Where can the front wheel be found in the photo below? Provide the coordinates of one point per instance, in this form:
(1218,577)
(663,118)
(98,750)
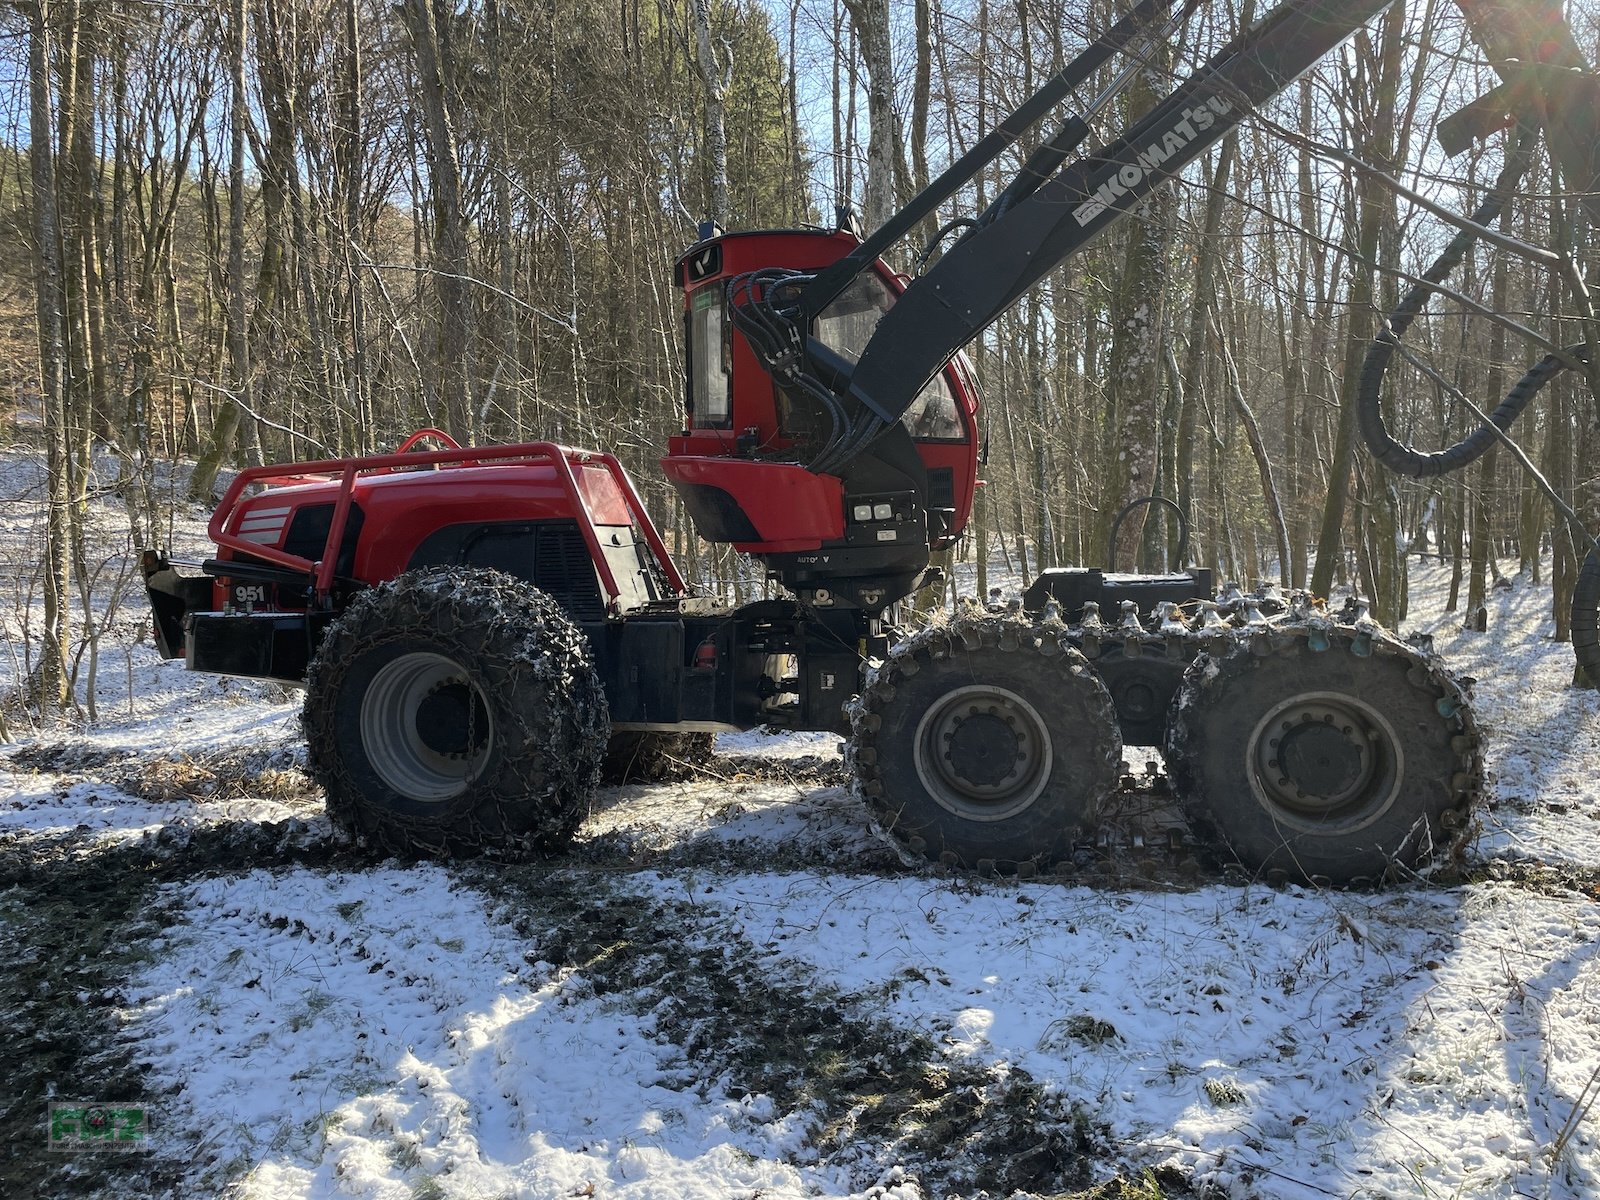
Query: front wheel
(1338,754)
(988,743)
(452,712)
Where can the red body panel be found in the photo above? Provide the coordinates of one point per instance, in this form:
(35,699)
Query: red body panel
(405,497)
(404,508)
(792,509)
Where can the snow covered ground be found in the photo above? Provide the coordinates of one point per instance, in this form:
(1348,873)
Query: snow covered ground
(731,989)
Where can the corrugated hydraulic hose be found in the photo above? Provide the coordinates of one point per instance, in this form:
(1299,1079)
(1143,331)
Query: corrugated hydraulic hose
(1417,464)
(1402,459)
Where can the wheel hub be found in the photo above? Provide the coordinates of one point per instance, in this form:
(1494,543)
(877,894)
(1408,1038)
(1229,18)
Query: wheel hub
(1325,757)
(1323,760)
(983,752)
(451,720)
(984,748)
(1141,689)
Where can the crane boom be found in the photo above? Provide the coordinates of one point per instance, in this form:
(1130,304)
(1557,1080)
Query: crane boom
(1044,221)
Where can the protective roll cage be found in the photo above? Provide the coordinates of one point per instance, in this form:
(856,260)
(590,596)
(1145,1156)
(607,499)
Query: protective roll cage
(319,574)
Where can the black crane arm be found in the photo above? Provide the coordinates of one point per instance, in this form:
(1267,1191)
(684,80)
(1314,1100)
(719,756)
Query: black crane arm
(831,282)
(1050,212)
(988,271)
(1042,219)
(1547,85)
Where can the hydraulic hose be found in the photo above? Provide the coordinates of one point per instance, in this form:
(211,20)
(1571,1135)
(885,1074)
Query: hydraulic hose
(771,331)
(1403,459)
(1492,427)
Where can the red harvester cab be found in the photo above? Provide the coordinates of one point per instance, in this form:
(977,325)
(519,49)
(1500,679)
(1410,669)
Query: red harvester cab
(739,464)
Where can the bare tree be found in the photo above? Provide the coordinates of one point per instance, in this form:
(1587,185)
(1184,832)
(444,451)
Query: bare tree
(451,270)
(714,76)
(237,405)
(49,685)
(870,18)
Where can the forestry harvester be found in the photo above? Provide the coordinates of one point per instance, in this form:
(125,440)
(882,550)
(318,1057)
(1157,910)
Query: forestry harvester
(481,630)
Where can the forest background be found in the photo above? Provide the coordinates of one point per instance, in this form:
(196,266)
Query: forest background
(259,230)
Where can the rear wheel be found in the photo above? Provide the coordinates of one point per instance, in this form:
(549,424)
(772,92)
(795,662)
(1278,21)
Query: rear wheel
(988,744)
(1357,762)
(1141,686)
(452,712)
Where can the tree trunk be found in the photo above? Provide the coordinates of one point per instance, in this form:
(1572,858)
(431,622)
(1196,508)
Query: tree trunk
(225,429)
(871,21)
(1372,202)
(1135,362)
(449,227)
(714,79)
(921,89)
(49,681)
(1485,497)
(1258,448)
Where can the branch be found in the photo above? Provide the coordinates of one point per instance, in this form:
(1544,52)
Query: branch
(429,399)
(1441,289)
(565,323)
(1525,250)
(251,413)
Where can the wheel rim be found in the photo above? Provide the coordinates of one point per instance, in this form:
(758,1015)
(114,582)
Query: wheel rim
(983,753)
(425,727)
(1325,759)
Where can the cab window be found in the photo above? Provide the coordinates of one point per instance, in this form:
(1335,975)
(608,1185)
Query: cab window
(709,376)
(846,326)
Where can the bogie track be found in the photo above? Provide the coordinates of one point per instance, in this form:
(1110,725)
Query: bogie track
(1299,745)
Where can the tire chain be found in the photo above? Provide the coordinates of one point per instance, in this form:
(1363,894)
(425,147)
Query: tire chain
(1128,830)
(969,632)
(551,647)
(1351,633)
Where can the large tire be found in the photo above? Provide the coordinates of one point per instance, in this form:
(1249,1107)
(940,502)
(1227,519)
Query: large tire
(1356,762)
(646,756)
(452,712)
(989,744)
